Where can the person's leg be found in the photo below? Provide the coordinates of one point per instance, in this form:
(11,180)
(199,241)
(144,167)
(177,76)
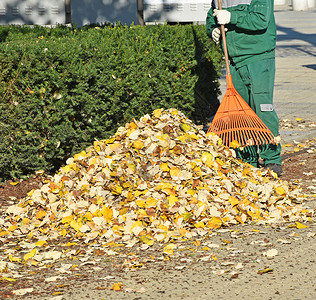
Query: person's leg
(262,75)
(242,84)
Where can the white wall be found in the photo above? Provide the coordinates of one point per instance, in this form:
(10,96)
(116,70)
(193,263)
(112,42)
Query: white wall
(99,11)
(46,12)
(176,10)
(41,12)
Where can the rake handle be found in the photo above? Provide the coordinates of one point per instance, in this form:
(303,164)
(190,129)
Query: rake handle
(224,42)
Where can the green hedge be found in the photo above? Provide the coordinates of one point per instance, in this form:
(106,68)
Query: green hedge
(63,88)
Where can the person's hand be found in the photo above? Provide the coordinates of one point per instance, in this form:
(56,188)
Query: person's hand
(216,34)
(223,16)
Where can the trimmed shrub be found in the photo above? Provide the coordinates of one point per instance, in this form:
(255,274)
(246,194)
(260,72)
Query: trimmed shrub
(63,88)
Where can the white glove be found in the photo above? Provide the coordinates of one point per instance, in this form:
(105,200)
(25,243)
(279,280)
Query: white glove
(223,16)
(216,34)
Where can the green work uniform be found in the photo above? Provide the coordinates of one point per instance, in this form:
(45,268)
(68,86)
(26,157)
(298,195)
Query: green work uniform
(251,40)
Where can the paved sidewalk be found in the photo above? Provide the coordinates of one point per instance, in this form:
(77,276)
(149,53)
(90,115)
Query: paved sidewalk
(295,83)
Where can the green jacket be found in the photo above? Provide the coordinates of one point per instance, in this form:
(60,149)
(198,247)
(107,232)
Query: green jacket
(251,34)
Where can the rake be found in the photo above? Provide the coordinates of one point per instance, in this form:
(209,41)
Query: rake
(235,122)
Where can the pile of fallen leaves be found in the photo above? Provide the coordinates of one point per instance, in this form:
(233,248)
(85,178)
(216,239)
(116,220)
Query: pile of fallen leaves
(157,179)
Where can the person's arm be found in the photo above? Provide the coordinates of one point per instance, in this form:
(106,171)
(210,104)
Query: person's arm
(210,22)
(256,17)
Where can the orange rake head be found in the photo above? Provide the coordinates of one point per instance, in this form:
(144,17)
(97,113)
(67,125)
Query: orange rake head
(236,121)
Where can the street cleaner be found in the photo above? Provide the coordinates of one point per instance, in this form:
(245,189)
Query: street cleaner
(251,39)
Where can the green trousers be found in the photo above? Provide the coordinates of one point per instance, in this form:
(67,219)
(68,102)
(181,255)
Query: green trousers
(255,83)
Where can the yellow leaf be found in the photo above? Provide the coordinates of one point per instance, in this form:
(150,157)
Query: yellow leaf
(40,243)
(30,254)
(132,167)
(175,172)
(138,144)
(116,189)
(88,215)
(246,171)
(117,286)
(185,127)
(187,216)
(207,158)
(157,113)
(164,185)
(137,224)
(227,242)
(12,227)
(70,244)
(151,202)
(146,240)
(100,200)
(140,203)
(111,140)
(168,249)
(183,231)
(67,168)
(220,162)
(197,243)
(97,145)
(30,193)
(14,183)
(132,125)
(199,225)
(267,270)
(67,219)
(85,188)
(164,167)
(233,201)
(26,221)
(80,155)
(191,192)
(8,279)
(40,214)
(172,200)
(215,222)
(234,144)
(63,232)
(300,225)
(107,213)
(183,138)
(93,161)
(194,136)
(280,190)
(174,112)
(14,259)
(299,119)
(170,246)
(75,225)
(163,227)
(244,202)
